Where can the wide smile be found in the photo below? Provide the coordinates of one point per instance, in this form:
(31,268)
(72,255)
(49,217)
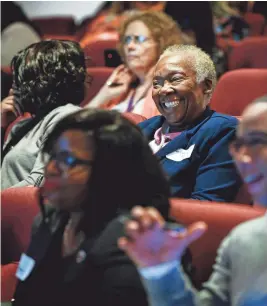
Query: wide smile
(169,104)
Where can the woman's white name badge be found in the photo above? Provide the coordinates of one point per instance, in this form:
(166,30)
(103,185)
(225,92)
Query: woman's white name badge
(26,265)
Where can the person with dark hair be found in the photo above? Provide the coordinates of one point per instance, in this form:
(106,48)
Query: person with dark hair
(228,21)
(17,31)
(48,83)
(98,166)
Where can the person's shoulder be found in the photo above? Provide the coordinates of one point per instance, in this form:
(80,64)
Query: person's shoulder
(217,126)
(222,120)
(60,112)
(151,121)
(249,229)
(105,244)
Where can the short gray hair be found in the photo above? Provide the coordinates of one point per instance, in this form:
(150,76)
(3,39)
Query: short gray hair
(202,63)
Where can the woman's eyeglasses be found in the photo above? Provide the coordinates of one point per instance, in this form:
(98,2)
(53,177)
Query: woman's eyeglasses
(138,39)
(65,160)
(250,140)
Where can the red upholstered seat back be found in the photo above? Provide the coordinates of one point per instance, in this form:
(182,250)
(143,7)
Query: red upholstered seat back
(256,23)
(220,217)
(19,206)
(58,25)
(98,43)
(135,118)
(9,128)
(99,77)
(249,53)
(236,89)
(8,281)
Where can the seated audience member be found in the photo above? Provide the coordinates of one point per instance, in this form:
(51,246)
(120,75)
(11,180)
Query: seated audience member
(195,17)
(17,31)
(48,83)
(142,38)
(191,140)
(93,159)
(108,19)
(228,21)
(240,272)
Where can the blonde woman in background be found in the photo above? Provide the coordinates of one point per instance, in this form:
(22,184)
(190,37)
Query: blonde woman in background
(142,38)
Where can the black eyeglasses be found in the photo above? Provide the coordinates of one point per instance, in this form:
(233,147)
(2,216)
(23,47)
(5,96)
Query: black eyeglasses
(65,159)
(138,39)
(251,139)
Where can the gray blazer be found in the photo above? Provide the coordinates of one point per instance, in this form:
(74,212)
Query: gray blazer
(22,165)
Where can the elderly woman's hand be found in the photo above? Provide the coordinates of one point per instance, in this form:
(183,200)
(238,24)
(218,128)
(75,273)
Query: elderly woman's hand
(149,244)
(117,84)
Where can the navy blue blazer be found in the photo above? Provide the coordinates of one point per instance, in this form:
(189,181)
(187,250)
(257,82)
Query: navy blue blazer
(197,161)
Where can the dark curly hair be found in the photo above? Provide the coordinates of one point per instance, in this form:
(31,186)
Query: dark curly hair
(46,75)
(49,74)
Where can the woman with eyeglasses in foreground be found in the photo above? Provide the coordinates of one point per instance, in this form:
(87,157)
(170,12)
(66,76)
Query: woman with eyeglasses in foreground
(98,166)
(142,38)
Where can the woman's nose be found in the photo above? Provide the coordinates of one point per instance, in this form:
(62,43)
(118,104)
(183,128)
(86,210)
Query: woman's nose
(131,45)
(166,89)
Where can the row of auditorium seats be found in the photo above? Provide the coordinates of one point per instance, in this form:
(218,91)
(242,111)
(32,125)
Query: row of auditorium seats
(20,205)
(235,89)
(248,53)
(65,25)
(252,49)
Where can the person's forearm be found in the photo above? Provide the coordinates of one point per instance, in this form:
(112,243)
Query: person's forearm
(97,101)
(171,289)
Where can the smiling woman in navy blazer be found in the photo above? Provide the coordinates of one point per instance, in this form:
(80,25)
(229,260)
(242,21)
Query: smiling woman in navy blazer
(191,140)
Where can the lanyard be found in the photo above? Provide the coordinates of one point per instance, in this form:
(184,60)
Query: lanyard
(130,106)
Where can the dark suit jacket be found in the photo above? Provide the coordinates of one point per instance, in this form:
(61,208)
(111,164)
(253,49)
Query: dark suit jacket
(208,173)
(105,277)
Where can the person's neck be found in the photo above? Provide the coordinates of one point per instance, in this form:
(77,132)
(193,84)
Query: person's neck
(145,76)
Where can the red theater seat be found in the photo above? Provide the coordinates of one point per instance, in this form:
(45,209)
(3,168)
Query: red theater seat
(220,218)
(249,53)
(8,281)
(59,37)
(60,25)
(19,206)
(237,88)
(9,128)
(94,47)
(6,69)
(99,77)
(256,23)
(135,118)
